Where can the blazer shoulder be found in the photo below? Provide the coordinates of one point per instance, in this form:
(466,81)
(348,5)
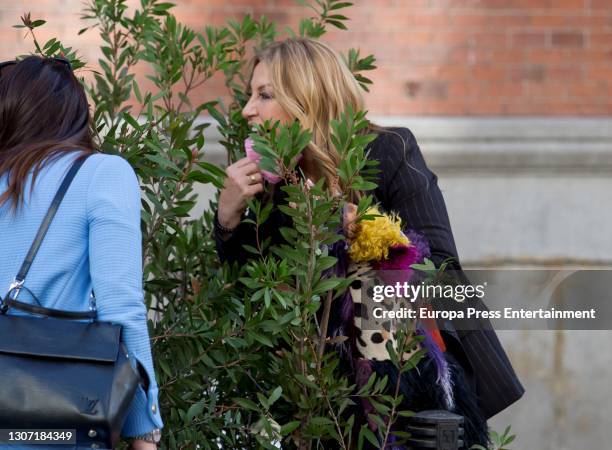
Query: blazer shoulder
(392,146)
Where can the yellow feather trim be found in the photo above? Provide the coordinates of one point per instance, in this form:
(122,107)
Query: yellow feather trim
(374,237)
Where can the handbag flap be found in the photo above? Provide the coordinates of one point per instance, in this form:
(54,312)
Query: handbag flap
(56,338)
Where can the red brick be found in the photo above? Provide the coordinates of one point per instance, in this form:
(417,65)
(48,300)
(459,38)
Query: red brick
(535,73)
(484,21)
(564,55)
(599,72)
(438,38)
(497,89)
(430,21)
(416,71)
(593,21)
(603,40)
(461,90)
(501,56)
(589,90)
(429,89)
(455,72)
(546,21)
(600,4)
(412,38)
(512,91)
(529,39)
(546,91)
(567,4)
(467,56)
(573,74)
(490,40)
(487,73)
(567,39)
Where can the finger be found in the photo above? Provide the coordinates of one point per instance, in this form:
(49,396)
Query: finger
(350,215)
(242,161)
(238,174)
(249,169)
(350,210)
(254,178)
(350,231)
(254,189)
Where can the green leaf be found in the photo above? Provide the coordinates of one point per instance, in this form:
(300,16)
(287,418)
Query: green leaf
(289,427)
(305,381)
(326,285)
(133,122)
(321,421)
(340,5)
(263,339)
(367,433)
(380,408)
(275,395)
(506,431)
(510,439)
(165,367)
(213,169)
(495,437)
(246,403)
(194,410)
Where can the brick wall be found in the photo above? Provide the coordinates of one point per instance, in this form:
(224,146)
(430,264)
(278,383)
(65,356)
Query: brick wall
(435,57)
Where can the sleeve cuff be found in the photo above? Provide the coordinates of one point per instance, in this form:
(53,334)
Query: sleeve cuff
(144,415)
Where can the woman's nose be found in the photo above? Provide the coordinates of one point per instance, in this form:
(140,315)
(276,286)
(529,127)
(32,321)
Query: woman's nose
(248,112)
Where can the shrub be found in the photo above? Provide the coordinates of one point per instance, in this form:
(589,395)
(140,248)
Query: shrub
(239,351)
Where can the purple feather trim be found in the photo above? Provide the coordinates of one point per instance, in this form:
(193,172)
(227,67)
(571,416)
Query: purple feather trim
(435,353)
(402,257)
(397,267)
(420,243)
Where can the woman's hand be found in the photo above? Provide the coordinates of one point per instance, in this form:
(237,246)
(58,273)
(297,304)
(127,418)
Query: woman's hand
(350,221)
(139,444)
(243,182)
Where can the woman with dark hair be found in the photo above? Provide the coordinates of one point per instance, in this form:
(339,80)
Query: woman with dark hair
(94,241)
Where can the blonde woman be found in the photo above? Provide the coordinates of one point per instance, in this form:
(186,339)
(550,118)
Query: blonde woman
(305,80)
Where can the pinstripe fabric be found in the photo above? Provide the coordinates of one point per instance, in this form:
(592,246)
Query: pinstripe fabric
(408,187)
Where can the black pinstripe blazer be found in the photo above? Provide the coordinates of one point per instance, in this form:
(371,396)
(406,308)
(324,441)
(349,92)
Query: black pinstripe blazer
(408,187)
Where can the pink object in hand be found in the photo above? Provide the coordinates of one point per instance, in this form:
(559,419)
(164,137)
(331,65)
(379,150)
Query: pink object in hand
(256,157)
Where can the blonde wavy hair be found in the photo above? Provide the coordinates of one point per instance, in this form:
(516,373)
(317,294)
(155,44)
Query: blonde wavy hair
(314,86)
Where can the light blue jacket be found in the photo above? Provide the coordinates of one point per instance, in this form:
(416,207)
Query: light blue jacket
(94,242)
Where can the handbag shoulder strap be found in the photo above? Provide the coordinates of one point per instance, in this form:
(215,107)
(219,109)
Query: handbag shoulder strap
(44,226)
(27,262)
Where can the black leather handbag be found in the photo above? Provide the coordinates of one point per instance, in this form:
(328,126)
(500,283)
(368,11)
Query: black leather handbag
(62,369)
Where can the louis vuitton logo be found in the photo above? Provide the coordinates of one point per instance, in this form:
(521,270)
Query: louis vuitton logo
(89,405)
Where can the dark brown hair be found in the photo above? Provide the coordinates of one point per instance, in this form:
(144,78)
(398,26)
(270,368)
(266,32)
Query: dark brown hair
(43,114)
